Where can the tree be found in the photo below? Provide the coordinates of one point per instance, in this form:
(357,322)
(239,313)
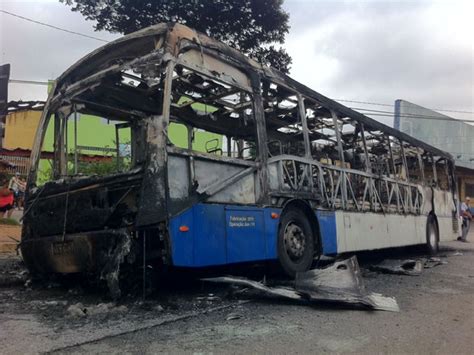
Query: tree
(251,26)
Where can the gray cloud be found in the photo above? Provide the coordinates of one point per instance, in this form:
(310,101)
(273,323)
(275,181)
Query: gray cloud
(39,53)
(379,51)
(362,50)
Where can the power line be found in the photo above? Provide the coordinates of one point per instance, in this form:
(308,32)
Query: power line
(421,117)
(409,115)
(52,26)
(430,137)
(33,82)
(103,40)
(390,105)
(17,81)
(370,112)
(364,102)
(405,114)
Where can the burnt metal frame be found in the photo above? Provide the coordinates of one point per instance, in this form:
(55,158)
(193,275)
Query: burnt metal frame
(301,177)
(338,192)
(257,74)
(258,166)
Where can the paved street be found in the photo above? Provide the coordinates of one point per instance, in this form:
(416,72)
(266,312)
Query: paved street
(437,316)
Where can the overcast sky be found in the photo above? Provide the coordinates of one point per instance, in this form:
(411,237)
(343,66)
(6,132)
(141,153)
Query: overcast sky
(376,51)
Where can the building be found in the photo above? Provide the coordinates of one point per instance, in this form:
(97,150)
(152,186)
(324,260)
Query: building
(93,138)
(453,136)
(18,129)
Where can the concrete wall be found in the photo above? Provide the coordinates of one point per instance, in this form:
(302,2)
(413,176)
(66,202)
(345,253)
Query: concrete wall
(441,131)
(20,129)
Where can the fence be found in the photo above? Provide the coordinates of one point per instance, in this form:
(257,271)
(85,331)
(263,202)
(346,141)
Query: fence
(12,164)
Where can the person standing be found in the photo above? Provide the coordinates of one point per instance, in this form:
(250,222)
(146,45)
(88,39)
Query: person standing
(6,199)
(466,219)
(20,199)
(17,186)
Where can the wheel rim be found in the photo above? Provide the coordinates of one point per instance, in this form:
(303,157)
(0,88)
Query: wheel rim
(295,241)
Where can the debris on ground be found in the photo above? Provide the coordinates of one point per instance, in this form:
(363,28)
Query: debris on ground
(41,304)
(79,310)
(76,310)
(13,279)
(432,262)
(340,283)
(233,316)
(12,272)
(210,298)
(158,308)
(458,253)
(407,267)
(78,290)
(399,267)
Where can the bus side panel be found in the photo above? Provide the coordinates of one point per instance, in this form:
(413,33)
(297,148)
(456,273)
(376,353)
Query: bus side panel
(369,231)
(271,232)
(446,230)
(328,231)
(182,243)
(209,235)
(245,234)
(444,208)
(223,234)
(204,243)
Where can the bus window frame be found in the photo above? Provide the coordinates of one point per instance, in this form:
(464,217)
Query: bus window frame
(301,109)
(190,128)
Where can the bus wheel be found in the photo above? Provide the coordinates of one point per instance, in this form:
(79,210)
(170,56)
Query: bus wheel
(432,235)
(295,242)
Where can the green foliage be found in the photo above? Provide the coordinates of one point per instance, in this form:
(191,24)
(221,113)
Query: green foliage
(45,172)
(9,222)
(101,168)
(251,26)
(88,168)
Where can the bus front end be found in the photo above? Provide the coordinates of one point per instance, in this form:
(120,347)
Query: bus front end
(96,183)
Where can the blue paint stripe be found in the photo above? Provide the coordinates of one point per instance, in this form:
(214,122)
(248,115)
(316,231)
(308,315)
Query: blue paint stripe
(328,231)
(223,234)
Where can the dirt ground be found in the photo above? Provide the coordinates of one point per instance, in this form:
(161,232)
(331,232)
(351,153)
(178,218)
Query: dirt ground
(187,315)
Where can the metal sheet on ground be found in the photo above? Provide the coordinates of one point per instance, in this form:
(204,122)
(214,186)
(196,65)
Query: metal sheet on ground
(399,267)
(340,283)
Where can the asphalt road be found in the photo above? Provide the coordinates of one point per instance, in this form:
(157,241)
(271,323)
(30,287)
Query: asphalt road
(437,316)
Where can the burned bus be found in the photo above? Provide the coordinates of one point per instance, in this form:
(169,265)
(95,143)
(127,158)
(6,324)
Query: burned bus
(287,174)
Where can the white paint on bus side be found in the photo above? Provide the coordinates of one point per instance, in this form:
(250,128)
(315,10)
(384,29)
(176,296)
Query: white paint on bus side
(446,230)
(368,231)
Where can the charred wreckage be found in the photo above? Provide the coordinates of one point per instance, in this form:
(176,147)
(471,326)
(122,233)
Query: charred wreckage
(273,143)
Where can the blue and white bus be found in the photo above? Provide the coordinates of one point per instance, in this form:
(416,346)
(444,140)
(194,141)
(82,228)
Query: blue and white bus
(229,161)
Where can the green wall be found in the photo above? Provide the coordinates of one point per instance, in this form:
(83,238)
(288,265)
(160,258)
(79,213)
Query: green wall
(91,131)
(94,131)
(98,132)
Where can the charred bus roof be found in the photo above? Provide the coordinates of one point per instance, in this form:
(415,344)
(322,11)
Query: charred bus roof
(175,39)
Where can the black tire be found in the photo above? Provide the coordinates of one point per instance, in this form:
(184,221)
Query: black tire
(295,242)
(432,235)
